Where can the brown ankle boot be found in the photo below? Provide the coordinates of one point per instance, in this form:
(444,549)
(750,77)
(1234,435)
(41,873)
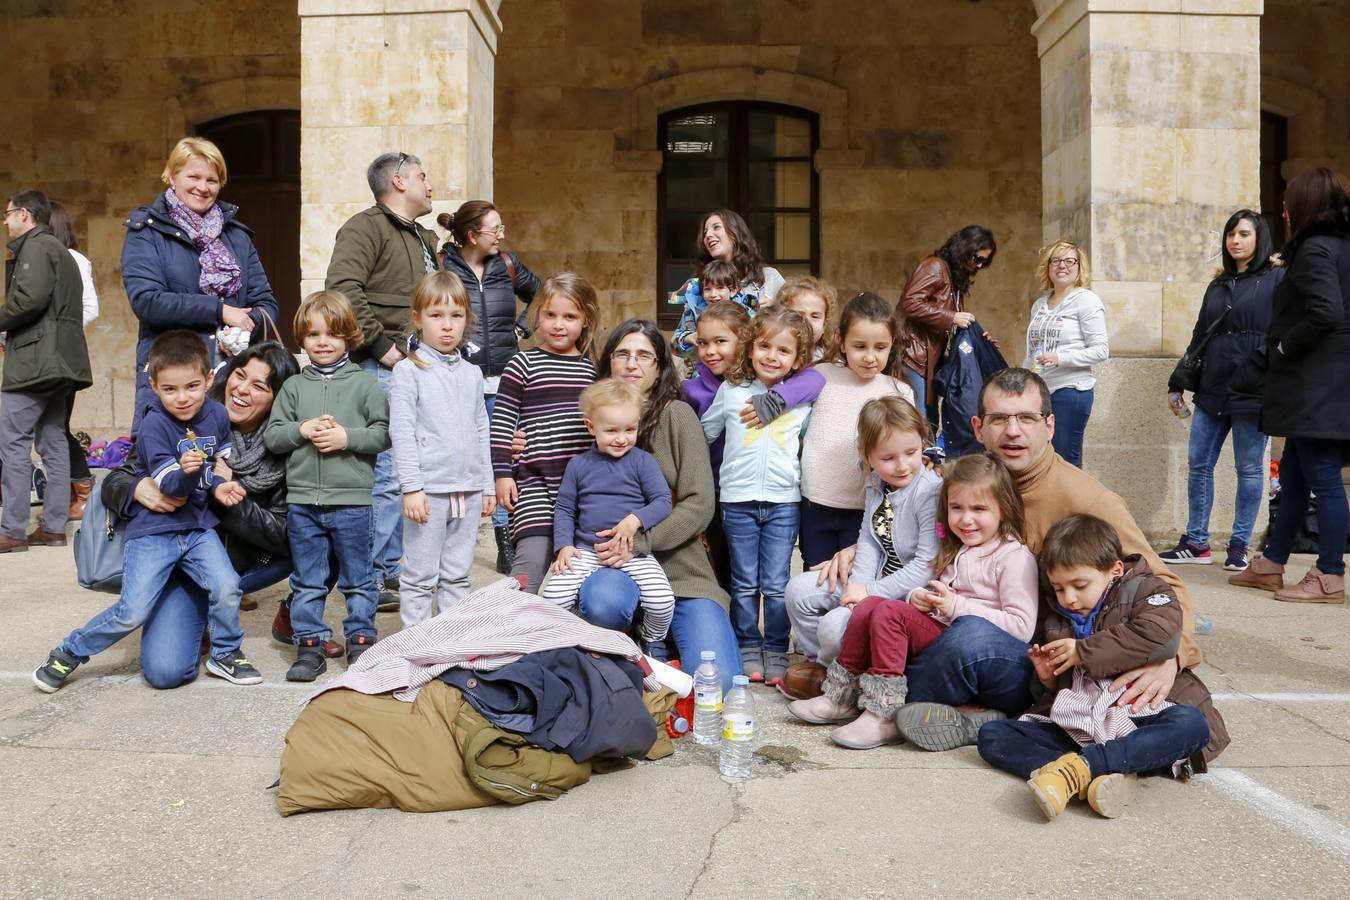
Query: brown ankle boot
(1316,587)
(79,496)
(1262,574)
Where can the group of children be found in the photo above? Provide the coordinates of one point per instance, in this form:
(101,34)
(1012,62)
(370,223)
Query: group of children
(813,444)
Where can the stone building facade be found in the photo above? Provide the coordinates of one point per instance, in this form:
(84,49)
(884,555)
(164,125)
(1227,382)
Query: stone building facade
(1131,126)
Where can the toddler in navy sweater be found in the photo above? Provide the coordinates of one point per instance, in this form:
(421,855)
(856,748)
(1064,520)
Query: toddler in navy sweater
(607,494)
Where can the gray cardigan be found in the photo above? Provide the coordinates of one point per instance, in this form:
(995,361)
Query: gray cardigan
(915,536)
(439,425)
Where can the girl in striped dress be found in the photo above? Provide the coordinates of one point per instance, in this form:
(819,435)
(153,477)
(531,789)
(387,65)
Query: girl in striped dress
(538,395)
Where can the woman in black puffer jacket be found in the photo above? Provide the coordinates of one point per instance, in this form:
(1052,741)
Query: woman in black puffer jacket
(1307,388)
(1246,287)
(494,279)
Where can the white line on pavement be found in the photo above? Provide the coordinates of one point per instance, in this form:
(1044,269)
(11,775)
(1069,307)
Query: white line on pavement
(295,687)
(1281,810)
(1266,697)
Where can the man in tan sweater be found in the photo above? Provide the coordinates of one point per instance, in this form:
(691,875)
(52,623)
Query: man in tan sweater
(1015,423)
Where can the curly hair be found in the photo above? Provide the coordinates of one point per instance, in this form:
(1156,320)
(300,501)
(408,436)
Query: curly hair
(768,323)
(958,249)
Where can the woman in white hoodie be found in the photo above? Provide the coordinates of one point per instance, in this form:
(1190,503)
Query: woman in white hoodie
(1066,338)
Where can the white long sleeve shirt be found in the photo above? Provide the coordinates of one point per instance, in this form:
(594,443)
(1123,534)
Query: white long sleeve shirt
(1075,330)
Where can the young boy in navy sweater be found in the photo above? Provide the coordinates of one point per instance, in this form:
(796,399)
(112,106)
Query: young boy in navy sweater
(609,492)
(181,437)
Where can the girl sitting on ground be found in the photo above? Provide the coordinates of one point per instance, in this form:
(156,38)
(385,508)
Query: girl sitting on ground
(986,571)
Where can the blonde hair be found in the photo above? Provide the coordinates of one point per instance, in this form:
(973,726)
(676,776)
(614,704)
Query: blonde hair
(1058,248)
(883,415)
(188,149)
(770,321)
(801,285)
(610,392)
(986,471)
(440,289)
(335,310)
(574,287)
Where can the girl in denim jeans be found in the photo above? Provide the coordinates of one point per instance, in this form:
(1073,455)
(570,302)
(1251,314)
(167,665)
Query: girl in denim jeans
(761,485)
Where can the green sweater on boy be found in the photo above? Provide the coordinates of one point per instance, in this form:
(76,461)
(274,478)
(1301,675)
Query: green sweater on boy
(357,402)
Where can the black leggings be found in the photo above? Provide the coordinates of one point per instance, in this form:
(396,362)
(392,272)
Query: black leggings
(79,462)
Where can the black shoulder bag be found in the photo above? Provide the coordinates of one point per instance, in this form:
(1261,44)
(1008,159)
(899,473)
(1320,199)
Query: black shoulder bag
(1186,376)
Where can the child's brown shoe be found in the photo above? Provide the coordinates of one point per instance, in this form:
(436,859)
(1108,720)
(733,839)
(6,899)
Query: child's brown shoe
(1054,784)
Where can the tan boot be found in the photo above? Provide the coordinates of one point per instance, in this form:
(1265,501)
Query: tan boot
(79,496)
(1316,587)
(1108,795)
(1055,784)
(1262,574)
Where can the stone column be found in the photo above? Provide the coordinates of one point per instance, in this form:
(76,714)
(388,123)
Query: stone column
(414,76)
(1150,139)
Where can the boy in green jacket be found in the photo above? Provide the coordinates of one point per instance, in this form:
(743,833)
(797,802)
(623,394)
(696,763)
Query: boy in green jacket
(333,419)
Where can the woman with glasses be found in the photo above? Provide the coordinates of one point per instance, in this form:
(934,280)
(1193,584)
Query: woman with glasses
(932,307)
(494,278)
(1066,338)
(669,429)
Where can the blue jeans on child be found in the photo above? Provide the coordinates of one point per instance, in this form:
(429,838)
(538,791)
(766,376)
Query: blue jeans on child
(1159,740)
(148,564)
(1072,408)
(171,637)
(760,536)
(1208,433)
(1311,465)
(825,530)
(500,517)
(973,661)
(609,599)
(318,534)
(386,500)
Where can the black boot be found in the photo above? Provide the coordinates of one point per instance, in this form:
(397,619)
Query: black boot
(309,661)
(505,556)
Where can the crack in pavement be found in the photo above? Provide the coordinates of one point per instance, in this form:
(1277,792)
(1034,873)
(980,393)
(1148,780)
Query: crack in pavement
(737,792)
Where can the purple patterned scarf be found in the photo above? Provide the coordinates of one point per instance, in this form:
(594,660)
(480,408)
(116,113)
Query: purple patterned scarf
(220,270)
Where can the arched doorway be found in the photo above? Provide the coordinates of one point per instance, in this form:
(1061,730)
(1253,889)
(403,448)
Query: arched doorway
(262,151)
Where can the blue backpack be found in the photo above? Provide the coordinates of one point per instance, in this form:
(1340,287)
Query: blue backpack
(99,544)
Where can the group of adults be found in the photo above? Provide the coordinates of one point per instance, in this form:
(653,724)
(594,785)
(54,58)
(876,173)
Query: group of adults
(188,262)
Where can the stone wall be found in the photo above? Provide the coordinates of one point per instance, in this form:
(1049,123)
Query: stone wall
(929,113)
(96,93)
(1305,76)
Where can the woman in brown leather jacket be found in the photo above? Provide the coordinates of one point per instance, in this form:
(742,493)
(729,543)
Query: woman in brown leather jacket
(932,306)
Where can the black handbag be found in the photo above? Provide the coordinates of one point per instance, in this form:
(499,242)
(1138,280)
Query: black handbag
(1186,375)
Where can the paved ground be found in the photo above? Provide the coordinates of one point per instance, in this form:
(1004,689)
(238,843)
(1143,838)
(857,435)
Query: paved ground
(113,789)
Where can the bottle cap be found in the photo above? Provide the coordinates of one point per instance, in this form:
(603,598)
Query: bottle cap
(740,680)
(708,655)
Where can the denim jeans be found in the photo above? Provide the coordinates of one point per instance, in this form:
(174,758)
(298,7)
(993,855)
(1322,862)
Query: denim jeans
(825,530)
(1208,433)
(920,385)
(386,500)
(1072,408)
(609,599)
(760,536)
(318,534)
(1311,466)
(171,637)
(148,565)
(1159,740)
(973,661)
(500,517)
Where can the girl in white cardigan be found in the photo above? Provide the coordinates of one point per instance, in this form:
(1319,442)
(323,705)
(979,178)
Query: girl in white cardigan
(1066,338)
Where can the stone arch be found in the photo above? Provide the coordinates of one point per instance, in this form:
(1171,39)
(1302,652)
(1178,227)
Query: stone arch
(826,100)
(1310,116)
(228,97)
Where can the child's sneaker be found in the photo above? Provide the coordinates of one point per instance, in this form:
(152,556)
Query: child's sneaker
(775,667)
(752,663)
(1187,554)
(357,646)
(51,675)
(1237,558)
(309,661)
(234,668)
(1055,784)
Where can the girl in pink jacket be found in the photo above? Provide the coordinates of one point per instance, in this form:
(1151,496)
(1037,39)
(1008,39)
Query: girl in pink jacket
(986,571)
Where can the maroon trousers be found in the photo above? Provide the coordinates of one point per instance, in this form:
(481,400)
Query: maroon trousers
(882,634)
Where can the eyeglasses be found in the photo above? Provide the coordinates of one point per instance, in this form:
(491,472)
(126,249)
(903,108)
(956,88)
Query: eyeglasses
(1064,262)
(623,357)
(499,231)
(980,262)
(9,212)
(999,421)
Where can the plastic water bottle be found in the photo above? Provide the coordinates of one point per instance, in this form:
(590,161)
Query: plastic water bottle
(707,700)
(738,731)
(1203,625)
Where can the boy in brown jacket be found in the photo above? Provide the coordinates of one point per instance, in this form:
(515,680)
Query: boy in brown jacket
(1102,615)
